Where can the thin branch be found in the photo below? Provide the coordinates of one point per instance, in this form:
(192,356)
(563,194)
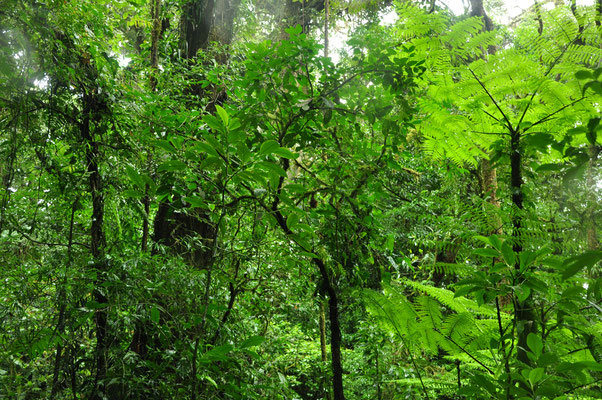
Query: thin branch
(492,99)
(546,118)
(26,236)
(466,351)
(492,133)
(492,116)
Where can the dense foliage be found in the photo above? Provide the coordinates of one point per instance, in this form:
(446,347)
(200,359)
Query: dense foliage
(198,201)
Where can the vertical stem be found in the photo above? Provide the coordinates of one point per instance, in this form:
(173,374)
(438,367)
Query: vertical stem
(323,351)
(525,319)
(379,394)
(98,240)
(505,355)
(62,302)
(156,32)
(326,21)
(335,332)
(592,233)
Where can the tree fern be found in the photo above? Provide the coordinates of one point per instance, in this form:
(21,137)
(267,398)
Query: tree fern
(446,298)
(466,93)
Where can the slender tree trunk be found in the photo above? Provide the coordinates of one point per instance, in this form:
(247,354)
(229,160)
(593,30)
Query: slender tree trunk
(91,112)
(525,319)
(323,351)
(335,331)
(326,22)
(155,34)
(592,232)
(62,304)
(195,25)
(8,173)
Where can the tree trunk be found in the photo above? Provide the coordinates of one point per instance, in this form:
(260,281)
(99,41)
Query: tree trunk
(91,112)
(195,25)
(335,331)
(592,232)
(525,319)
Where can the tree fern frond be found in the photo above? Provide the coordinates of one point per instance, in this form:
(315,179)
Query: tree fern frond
(446,298)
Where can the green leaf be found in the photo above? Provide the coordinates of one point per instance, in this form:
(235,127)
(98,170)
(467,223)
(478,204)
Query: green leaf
(549,167)
(155,314)
(575,264)
(236,135)
(535,344)
(134,176)
(484,382)
(218,353)
(508,253)
(272,168)
(285,153)
(132,193)
(594,85)
(214,123)
(294,30)
(584,74)
(292,221)
(210,379)
(268,147)
(526,258)
(166,145)
(196,202)
(327,115)
(222,114)
(252,341)
(172,165)
(243,152)
(522,292)
(536,375)
(205,148)
(495,242)
(486,252)
(295,187)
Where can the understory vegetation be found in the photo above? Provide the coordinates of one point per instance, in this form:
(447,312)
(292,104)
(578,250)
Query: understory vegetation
(261,199)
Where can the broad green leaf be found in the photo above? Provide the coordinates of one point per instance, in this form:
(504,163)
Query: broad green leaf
(134,176)
(292,220)
(236,135)
(536,375)
(172,165)
(206,148)
(575,264)
(222,114)
(219,353)
(295,187)
(508,253)
(243,152)
(584,74)
(268,147)
(210,379)
(196,202)
(214,123)
(252,341)
(272,168)
(495,242)
(166,145)
(535,344)
(155,315)
(285,153)
(486,252)
(132,193)
(212,163)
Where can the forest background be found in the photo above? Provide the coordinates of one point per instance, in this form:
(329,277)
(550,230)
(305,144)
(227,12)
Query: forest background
(196,202)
